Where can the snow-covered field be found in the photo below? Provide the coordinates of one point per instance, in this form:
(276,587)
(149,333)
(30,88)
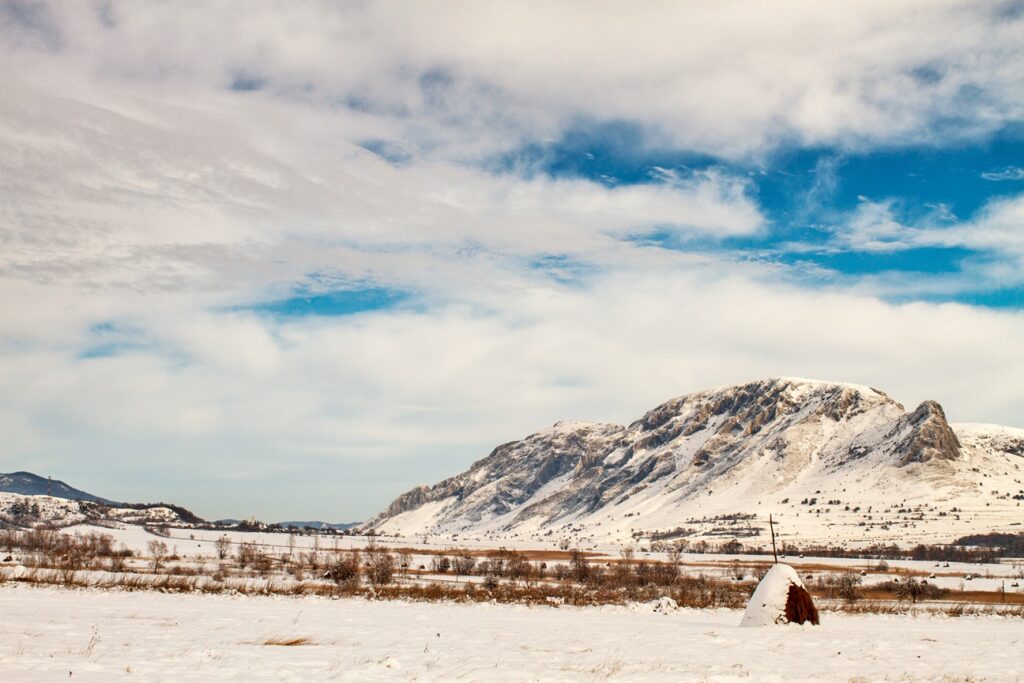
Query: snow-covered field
(84,635)
(194,544)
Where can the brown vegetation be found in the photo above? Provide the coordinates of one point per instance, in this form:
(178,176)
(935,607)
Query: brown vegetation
(289,642)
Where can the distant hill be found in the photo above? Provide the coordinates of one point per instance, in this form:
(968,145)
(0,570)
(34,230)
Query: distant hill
(340,526)
(29,484)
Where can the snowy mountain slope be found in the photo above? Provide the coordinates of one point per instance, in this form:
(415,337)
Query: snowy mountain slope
(29,484)
(26,499)
(833,462)
(26,511)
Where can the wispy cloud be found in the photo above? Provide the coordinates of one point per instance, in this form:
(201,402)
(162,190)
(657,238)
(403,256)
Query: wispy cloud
(1009,173)
(362,243)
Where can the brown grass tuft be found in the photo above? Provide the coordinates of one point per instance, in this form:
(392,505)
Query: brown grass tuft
(289,642)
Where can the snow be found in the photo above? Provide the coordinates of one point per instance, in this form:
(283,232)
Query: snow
(56,510)
(803,385)
(88,635)
(973,429)
(795,456)
(767,605)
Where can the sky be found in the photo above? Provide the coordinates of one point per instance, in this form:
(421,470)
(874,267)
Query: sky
(288,260)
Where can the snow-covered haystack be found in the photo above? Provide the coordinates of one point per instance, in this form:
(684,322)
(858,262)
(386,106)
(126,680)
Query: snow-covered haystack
(780,598)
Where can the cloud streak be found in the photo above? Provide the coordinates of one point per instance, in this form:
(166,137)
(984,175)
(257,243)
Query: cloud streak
(282,273)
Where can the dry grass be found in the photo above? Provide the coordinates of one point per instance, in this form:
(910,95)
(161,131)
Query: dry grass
(531,555)
(974,597)
(688,591)
(289,642)
(958,609)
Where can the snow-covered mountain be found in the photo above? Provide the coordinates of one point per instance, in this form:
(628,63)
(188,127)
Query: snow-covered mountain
(26,500)
(29,484)
(21,511)
(832,462)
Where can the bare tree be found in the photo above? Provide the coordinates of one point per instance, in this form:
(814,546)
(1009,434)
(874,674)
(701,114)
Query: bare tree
(313,556)
(158,551)
(223,546)
(381,565)
(440,564)
(579,566)
(674,554)
(405,561)
(463,564)
(247,554)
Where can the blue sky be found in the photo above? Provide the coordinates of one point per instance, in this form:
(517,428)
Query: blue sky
(353,247)
(806,193)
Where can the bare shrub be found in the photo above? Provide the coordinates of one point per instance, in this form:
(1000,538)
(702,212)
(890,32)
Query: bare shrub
(405,561)
(674,553)
(580,569)
(345,569)
(463,564)
(912,589)
(380,565)
(247,554)
(845,586)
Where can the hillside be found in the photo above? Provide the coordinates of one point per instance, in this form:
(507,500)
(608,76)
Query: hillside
(26,499)
(29,484)
(831,462)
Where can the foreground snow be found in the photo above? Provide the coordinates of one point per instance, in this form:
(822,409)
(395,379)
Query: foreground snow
(101,636)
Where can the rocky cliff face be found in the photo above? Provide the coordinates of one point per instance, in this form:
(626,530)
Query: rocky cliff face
(930,437)
(735,446)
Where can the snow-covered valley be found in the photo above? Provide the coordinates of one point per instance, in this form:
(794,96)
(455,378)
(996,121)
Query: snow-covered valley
(86,635)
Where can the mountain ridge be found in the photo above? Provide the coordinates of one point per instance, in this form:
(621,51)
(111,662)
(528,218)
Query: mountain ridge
(712,452)
(31,484)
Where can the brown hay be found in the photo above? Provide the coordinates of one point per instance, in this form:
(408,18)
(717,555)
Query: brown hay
(289,642)
(799,606)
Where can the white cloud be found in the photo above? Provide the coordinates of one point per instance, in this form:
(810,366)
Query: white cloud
(997,229)
(145,204)
(464,77)
(1008,173)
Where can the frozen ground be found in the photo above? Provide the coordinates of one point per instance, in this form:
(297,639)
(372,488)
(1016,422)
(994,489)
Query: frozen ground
(49,633)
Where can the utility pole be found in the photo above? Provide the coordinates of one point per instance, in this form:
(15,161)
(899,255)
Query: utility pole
(771,525)
(49,481)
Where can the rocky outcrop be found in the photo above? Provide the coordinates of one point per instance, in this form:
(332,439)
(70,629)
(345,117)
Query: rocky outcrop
(930,436)
(759,437)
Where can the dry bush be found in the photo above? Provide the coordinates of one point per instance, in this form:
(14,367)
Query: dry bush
(911,589)
(380,565)
(223,547)
(245,554)
(440,564)
(463,564)
(345,569)
(845,586)
(580,568)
